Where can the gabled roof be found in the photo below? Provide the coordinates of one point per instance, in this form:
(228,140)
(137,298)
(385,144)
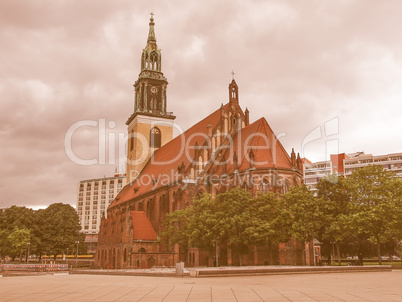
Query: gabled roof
(267,151)
(142,226)
(161,169)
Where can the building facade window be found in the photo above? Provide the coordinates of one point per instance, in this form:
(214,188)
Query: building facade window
(155,138)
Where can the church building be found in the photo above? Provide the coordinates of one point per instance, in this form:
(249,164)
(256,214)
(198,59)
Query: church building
(221,151)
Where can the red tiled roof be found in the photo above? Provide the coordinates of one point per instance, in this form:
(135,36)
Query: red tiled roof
(166,160)
(268,151)
(142,226)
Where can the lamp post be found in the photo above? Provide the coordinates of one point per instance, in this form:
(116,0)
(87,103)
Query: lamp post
(140,240)
(29,246)
(333,251)
(76,255)
(67,257)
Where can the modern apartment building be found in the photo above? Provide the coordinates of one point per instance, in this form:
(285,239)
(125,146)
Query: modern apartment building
(94,196)
(345,164)
(391,162)
(313,172)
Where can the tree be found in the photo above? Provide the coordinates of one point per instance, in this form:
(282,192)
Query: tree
(14,216)
(335,208)
(194,226)
(58,230)
(303,212)
(10,219)
(376,196)
(202,226)
(5,245)
(208,223)
(233,217)
(175,229)
(266,226)
(19,239)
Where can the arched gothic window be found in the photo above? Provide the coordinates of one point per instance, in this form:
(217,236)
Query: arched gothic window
(155,138)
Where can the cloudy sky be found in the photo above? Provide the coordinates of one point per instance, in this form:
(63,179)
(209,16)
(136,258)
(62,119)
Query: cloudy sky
(327,76)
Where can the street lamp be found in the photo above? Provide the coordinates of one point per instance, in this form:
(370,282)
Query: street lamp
(67,258)
(29,245)
(140,240)
(76,255)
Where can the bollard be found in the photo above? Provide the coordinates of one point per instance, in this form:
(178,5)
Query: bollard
(179,268)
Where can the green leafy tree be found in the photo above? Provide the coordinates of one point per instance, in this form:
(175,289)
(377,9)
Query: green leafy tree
(19,239)
(5,245)
(233,218)
(335,208)
(58,230)
(377,205)
(11,218)
(14,216)
(175,229)
(208,223)
(203,229)
(265,226)
(302,212)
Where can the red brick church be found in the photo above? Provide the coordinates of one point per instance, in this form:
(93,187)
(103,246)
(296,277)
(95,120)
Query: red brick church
(221,151)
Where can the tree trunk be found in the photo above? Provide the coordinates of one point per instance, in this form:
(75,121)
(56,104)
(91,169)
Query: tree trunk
(338,253)
(379,251)
(271,261)
(329,257)
(360,255)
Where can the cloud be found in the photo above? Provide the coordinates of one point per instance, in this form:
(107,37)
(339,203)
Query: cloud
(299,64)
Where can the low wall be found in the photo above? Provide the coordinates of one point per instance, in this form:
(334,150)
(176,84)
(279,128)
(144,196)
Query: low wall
(34,267)
(249,271)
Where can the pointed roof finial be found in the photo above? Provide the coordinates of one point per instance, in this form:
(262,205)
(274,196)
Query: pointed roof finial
(233,73)
(151,35)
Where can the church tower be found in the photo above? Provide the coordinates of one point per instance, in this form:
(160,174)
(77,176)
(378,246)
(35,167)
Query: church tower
(150,126)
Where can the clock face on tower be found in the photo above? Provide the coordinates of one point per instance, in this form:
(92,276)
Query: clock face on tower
(154,89)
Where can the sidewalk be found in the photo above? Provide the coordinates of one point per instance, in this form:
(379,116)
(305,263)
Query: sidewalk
(368,286)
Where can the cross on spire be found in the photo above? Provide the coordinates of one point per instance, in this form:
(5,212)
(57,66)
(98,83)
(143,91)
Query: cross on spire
(233,73)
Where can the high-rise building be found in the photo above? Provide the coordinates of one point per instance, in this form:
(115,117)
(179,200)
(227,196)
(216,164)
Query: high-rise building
(94,197)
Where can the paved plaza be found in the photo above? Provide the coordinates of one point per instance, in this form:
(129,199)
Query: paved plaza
(363,286)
